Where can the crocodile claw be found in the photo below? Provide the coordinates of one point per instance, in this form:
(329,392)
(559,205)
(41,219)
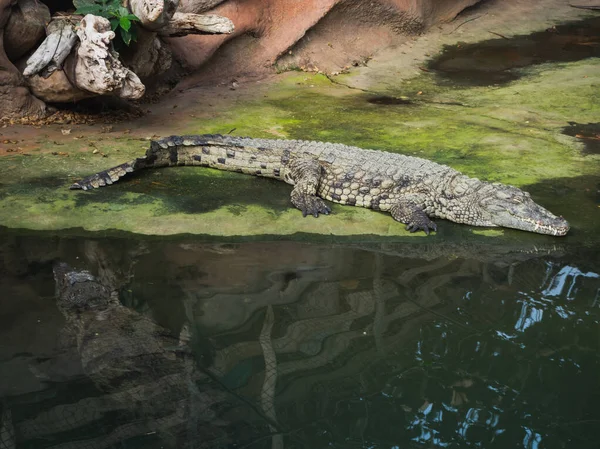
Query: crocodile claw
(426,227)
(311,205)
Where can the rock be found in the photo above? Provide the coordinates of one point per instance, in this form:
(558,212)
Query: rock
(15,98)
(56,88)
(25,28)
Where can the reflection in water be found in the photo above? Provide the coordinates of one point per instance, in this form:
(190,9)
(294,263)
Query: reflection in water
(565,281)
(289,345)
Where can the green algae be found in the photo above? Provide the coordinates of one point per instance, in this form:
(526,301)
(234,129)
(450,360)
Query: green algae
(509,134)
(489,232)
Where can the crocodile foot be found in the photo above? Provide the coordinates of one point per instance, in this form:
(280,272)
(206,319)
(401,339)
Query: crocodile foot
(310,205)
(407,211)
(426,225)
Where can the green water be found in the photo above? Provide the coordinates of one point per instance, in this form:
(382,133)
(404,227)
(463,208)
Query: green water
(374,346)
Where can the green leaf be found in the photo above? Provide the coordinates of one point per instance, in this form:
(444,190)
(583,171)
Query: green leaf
(125,23)
(114,23)
(79,3)
(132,17)
(90,9)
(123,12)
(126,36)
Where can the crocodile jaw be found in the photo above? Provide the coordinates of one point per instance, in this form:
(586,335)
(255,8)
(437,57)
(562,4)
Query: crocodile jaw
(510,207)
(548,224)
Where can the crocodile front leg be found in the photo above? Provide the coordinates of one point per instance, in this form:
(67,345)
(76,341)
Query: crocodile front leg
(407,211)
(306,174)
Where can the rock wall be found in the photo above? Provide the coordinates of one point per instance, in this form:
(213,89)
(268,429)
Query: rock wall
(326,34)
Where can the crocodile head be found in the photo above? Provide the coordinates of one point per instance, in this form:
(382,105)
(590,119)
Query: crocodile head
(510,207)
(78,290)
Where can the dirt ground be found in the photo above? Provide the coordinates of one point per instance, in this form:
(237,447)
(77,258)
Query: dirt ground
(382,72)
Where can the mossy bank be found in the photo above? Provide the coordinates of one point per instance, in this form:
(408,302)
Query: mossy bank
(510,133)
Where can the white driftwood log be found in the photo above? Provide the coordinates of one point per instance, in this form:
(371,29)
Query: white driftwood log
(49,56)
(98,68)
(153,14)
(182,24)
(198,6)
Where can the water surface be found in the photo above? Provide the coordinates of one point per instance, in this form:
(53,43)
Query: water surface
(499,59)
(299,345)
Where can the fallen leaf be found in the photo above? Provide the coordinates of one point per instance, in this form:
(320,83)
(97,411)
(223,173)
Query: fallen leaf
(581,136)
(65,131)
(349,284)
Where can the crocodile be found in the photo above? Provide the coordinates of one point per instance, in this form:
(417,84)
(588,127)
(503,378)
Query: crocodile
(146,377)
(413,190)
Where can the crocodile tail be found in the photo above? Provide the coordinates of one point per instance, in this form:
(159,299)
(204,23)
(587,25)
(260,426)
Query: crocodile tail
(107,177)
(156,156)
(162,153)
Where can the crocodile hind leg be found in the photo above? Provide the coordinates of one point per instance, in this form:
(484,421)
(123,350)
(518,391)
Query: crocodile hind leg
(407,211)
(306,174)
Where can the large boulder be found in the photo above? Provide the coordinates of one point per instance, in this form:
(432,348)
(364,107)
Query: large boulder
(25,28)
(15,98)
(56,88)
